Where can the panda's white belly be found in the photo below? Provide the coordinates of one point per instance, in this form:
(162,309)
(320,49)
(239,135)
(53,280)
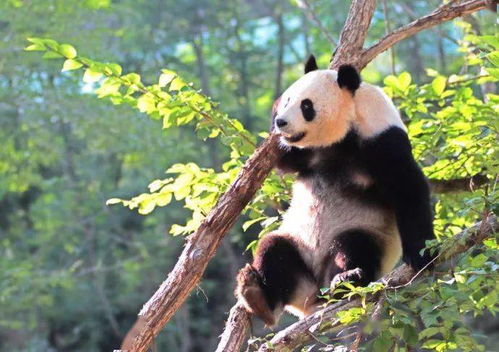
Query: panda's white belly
(318,212)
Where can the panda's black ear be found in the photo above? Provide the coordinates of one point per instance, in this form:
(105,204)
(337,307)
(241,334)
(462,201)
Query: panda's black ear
(348,77)
(311,64)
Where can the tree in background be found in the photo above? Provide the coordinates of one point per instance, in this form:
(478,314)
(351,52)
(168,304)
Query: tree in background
(77,272)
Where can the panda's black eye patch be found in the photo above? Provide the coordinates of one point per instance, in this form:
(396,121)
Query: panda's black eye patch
(307,109)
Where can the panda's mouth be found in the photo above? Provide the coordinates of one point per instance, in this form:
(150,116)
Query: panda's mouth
(295,138)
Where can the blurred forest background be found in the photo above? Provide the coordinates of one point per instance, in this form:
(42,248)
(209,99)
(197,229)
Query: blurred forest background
(74,272)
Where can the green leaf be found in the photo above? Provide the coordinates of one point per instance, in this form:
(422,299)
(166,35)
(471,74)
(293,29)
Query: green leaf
(112,201)
(438,85)
(67,51)
(166,77)
(494,58)
(51,55)
(71,64)
(404,80)
(177,84)
(115,69)
(146,103)
(491,40)
(38,45)
(110,86)
(383,342)
(163,199)
(351,315)
(147,206)
(35,47)
(132,78)
(248,223)
(391,81)
(91,76)
(97,4)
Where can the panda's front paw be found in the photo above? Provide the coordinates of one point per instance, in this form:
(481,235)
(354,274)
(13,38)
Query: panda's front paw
(249,292)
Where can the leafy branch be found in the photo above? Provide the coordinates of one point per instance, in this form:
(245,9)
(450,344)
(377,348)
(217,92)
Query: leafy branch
(171,99)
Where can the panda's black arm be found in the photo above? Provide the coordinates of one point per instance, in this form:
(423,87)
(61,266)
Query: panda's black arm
(294,160)
(389,159)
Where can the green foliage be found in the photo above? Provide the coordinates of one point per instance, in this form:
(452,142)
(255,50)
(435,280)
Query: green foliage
(73,269)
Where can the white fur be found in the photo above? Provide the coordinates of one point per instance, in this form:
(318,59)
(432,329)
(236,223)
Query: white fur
(318,213)
(333,106)
(374,111)
(370,111)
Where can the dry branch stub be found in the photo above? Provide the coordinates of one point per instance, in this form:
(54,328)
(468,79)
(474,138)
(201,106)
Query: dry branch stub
(236,329)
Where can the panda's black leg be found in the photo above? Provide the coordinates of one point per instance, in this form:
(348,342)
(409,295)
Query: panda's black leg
(356,256)
(277,277)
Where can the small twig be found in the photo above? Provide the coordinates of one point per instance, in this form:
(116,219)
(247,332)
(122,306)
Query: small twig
(305,6)
(443,13)
(388,29)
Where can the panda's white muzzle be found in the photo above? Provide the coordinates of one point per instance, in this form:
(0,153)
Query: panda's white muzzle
(286,130)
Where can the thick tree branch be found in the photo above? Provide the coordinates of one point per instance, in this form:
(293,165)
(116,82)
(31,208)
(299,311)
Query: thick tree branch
(236,329)
(354,33)
(443,13)
(301,332)
(201,247)
(458,184)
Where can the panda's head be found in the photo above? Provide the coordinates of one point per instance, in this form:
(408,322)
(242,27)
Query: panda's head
(317,109)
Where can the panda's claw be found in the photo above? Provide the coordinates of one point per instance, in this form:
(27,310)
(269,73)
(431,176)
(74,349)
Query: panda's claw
(249,292)
(354,275)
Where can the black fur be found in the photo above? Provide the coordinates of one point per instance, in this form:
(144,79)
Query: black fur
(389,160)
(360,251)
(281,268)
(294,160)
(307,109)
(311,64)
(348,77)
(399,183)
(335,165)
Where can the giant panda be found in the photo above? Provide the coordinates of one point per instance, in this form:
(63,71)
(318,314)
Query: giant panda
(359,203)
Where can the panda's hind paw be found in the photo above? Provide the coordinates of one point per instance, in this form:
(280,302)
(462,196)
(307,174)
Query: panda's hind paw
(249,292)
(354,275)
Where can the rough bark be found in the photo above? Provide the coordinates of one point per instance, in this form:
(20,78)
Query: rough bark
(354,33)
(201,247)
(458,184)
(236,329)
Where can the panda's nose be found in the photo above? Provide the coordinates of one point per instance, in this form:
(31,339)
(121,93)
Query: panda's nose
(280,123)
